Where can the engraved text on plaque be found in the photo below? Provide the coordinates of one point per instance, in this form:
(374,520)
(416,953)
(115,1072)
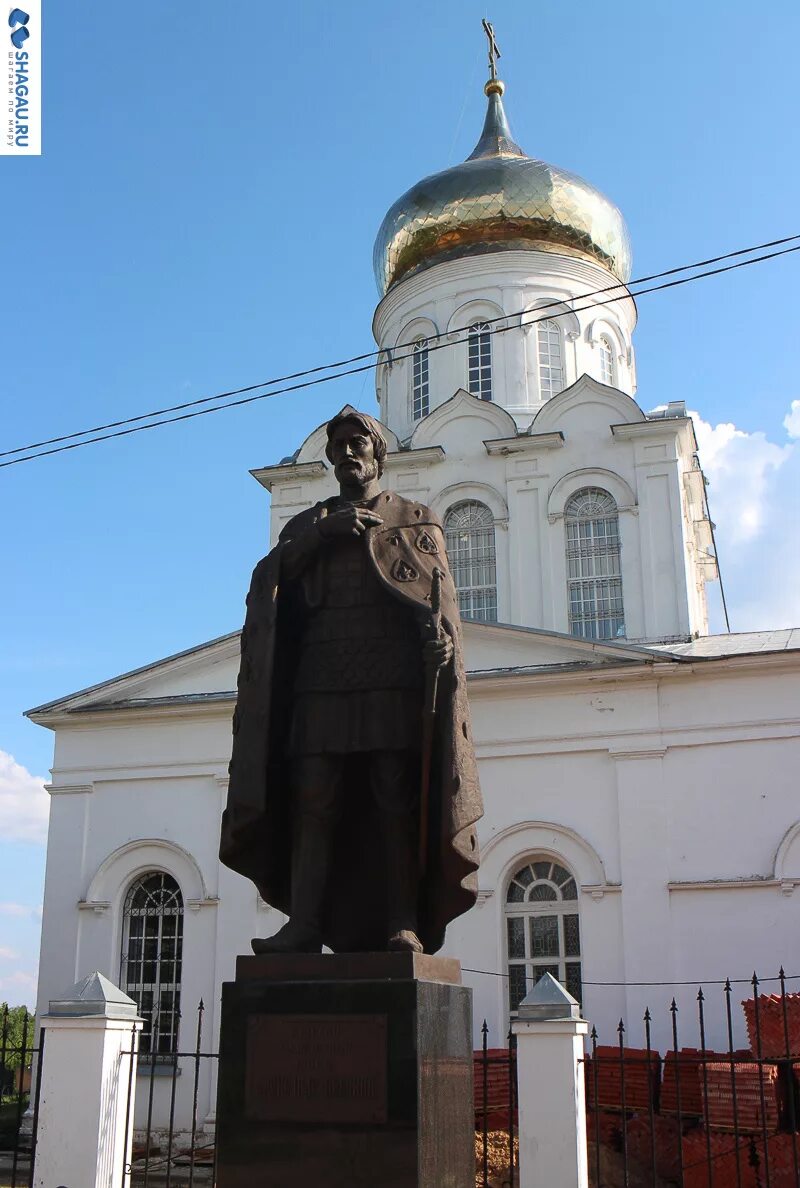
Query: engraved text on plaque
(316,1068)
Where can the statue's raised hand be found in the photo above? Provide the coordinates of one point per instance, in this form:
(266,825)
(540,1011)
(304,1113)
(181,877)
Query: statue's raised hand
(348,521)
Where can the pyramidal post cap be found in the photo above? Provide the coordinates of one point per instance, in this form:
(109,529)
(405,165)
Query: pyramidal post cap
(548,1000)
(94,995)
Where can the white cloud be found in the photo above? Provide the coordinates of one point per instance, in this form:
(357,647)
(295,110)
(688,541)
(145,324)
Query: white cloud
(791,421)
(24,804)
(754,497)
(20,909)
(739,467)
(8,954)
(19,987)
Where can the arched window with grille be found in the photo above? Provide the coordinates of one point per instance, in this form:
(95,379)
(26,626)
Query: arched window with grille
(606,354)
(480,360)
(469,533)
(420,380)
(594,574)
(152,953)
(542,928)
(551,364)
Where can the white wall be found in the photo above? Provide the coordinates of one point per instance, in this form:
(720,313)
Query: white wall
(151,796)
(650,784)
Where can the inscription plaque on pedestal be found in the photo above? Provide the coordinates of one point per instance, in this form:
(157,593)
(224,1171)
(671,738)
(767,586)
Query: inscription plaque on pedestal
(316,1068)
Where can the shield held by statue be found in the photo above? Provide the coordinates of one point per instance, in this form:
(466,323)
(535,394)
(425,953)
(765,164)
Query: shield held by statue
(405,557)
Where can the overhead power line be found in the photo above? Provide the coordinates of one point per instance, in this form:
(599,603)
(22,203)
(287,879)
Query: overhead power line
(342,368)
(381,350)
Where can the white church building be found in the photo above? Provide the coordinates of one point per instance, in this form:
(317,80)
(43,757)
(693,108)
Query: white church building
(639,775)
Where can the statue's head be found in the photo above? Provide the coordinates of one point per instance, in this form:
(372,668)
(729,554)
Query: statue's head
(355,440)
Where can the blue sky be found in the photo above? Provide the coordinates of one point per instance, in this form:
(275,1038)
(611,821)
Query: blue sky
(202,217)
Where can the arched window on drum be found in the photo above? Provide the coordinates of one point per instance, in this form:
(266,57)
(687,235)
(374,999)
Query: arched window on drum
(594,573)
(420,380)
(542,928)
(152,955)
(551,363)
(479,358)
(606,355)
(469,534)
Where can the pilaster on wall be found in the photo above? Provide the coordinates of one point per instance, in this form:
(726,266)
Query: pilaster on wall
(642,796)
(525,501)
(664,554)
(517,394)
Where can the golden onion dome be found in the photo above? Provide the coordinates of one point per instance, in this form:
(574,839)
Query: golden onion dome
(499,199)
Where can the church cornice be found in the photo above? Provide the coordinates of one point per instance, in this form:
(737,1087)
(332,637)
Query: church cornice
(630,432)
(528,443)
(785,886)
(715,657)
(139,709)
(510,680)
(419,456)
(268,476)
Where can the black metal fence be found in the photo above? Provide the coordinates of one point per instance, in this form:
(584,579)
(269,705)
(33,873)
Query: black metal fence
(496,1132)
(675,1112)
(157,1152)
(696,1117)
(20,1081)
(150,1163)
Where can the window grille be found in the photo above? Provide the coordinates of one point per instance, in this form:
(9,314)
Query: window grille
(594,575)
(152,952)
(606,361)
(469,534)
(542,929)
(551,367)
(420,388)
(480,360)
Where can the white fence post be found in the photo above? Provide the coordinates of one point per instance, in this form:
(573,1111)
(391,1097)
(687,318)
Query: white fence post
(552,1100)
(88,1082)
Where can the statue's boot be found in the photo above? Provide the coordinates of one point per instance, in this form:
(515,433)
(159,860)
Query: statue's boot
(311,859)
(400,850)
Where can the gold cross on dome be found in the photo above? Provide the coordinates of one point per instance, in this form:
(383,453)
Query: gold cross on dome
(494,49)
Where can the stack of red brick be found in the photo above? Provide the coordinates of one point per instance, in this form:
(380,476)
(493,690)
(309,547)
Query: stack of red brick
(776,1036)
(641,1079)
(685,1073)
(497,1089)
(708,1082)
(683,1076)
(659,1143)
(743,1165)
(756,1089)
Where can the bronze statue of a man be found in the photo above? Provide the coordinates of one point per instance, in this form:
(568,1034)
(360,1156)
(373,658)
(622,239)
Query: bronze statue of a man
(343,643)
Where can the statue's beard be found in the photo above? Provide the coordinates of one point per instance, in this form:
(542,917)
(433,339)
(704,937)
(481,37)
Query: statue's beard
(358,476)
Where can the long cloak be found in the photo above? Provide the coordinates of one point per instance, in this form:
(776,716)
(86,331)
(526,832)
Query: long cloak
(256,836)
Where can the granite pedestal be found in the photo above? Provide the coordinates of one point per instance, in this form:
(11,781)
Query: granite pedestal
(346,1070)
